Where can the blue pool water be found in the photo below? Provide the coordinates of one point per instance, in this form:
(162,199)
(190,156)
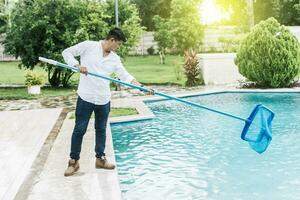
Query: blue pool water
(189,153)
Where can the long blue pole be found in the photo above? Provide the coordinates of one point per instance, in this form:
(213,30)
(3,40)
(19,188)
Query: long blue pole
(75,69)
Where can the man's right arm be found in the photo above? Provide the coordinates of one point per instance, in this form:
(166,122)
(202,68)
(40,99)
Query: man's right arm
(76,50)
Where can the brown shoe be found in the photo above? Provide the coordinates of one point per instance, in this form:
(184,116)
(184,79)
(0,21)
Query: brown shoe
(103,163)
(72,167)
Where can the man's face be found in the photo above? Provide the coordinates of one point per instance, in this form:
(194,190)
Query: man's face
(114,44)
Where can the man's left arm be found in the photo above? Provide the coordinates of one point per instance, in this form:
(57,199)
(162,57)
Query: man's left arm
(135,82)
(126,77)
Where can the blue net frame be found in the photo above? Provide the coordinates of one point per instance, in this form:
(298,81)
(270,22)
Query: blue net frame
(257,130)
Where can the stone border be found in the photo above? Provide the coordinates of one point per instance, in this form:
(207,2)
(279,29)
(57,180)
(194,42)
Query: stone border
(143,111)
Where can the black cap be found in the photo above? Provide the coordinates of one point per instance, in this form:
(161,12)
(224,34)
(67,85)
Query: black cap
(117,34)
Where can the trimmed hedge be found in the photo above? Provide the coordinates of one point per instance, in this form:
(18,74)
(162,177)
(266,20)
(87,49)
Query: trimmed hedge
(269,55)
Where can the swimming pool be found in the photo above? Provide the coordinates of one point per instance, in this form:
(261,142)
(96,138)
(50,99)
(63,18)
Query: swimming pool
(189,153)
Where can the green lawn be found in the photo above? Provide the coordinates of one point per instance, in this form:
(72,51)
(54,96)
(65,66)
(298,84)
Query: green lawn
(145,69)
(11,73)
(148,70)
(21,93)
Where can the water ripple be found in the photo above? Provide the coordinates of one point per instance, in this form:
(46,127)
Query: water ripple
(189,153)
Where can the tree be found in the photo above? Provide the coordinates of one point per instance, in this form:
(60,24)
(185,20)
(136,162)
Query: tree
(129,21)
(163,36)
(289,12)
(148,9)
(5,14)
(250,13)
(46,27)
(260,7)
(185,26)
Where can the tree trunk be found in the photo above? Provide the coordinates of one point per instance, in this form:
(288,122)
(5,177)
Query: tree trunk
(54,79)
(162,56)
(250,11)
(66,77)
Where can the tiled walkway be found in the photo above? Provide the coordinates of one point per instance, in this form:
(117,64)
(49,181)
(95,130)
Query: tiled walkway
(88,184)
(23,133)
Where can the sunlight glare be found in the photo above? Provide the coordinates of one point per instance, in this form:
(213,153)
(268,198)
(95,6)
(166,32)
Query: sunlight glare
(211,13)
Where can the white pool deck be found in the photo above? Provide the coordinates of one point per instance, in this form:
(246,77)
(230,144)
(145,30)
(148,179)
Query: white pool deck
(23,134)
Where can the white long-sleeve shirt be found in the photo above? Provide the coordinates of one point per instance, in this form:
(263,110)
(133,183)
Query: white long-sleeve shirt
(92,89)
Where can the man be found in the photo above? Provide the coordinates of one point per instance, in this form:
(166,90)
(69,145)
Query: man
(94,93)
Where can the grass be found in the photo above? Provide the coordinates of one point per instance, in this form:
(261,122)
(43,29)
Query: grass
(12,74)
(21,93)
(116,112)
(145,69)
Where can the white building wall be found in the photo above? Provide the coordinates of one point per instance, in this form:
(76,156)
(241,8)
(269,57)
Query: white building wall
(219,68)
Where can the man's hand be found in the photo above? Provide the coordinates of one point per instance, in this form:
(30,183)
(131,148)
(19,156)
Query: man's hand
(82,69)
(150,92)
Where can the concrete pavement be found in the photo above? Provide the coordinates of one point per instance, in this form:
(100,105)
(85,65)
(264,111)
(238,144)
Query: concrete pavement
(23,133)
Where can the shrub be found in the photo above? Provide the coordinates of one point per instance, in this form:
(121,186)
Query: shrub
(150,50)
(191,69)
(269,55)
(33,78)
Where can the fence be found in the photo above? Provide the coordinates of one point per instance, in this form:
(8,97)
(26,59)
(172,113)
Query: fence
(211,40)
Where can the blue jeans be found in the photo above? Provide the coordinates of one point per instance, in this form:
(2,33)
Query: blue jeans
(83,114)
